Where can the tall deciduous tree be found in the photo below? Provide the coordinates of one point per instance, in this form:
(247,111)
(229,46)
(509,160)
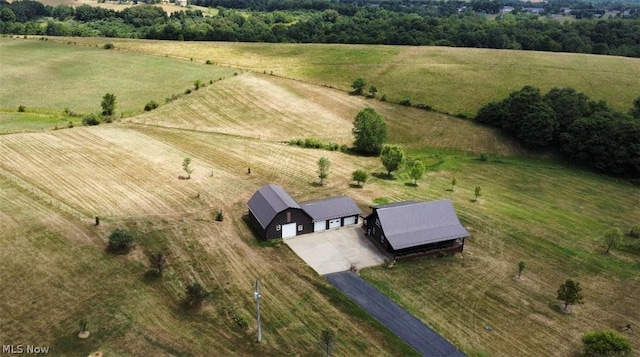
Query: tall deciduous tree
(358,86)
(369,131)
(108,104)
(392,157)
(612,237)
(570,293)
(186,166)
(606,343)
(323,169)
(360,176)
(416,171)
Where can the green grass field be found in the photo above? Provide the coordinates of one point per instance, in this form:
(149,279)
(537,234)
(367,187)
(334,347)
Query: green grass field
(51,76)
(52,184)
(451,80)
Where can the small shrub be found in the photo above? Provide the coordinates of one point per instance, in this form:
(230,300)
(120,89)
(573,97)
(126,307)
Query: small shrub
(383,98)
(635,231)
(209,62)
(423,106)
(120,241)
(150,106)
(90,120)
(219,216)
(344,148)
(70,125)
(235,73)
(211,81)
(334,146)
(21,109)
(108,46)
(188,91)
(107,119)
(406,102)
(483,157)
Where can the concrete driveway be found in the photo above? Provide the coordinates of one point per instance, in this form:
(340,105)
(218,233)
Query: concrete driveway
(335,250)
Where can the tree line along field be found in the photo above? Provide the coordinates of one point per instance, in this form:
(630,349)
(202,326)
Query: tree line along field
(531,209)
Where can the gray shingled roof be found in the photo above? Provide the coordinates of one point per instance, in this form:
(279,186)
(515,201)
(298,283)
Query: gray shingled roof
(408,224)
(330,208)
(268,201)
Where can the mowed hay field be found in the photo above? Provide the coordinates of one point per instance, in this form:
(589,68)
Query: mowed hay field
(451,80)
(52,185)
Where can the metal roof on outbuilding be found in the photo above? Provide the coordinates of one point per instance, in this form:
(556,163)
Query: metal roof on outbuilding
(268,201)
(331,208)
(412,223)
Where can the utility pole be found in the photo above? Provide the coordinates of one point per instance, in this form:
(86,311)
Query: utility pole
(257,296)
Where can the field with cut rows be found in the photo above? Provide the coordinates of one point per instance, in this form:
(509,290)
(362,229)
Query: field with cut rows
(56,272)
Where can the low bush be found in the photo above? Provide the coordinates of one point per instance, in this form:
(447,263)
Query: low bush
(150,106)
(423,106)
(90,120)
(21,109)
(109,46)
(120,241)
(635,231)
(406,102)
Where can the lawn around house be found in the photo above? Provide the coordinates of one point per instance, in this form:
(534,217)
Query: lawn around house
(52,185)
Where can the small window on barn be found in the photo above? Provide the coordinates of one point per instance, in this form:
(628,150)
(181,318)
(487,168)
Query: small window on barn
(277,227)
(299,227)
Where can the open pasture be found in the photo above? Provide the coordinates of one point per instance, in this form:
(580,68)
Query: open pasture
(52,185)
(451,80)
(42,75)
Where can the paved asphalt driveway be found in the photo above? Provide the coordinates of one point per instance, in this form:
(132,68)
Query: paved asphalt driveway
(418,335)
(335,250)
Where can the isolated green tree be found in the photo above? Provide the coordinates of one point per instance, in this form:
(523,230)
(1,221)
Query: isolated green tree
(369,131)
(108,104)
(612,237)
(195,295)
(373,90)
(416,171)
(635,111)
(327,342)
(120,241)
(323,169)
(358,86)
(360,176)
(570,294)
(453,183)
(158,262)
(605,344)
(186,166)
(392,157)
(197,84)
(477,192)
(521,267)
(634,232)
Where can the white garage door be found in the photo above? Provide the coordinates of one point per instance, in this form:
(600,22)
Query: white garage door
(349,220)
(320,226)
(334,223)
(289,230)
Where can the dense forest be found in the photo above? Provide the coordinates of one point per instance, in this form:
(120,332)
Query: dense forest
(479,23)
(575,125)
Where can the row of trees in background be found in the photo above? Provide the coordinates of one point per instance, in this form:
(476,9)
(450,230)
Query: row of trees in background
(569,121)
(368,25)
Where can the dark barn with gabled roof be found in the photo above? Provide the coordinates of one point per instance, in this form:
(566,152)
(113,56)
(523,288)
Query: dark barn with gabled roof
(275,214)
(413,227)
